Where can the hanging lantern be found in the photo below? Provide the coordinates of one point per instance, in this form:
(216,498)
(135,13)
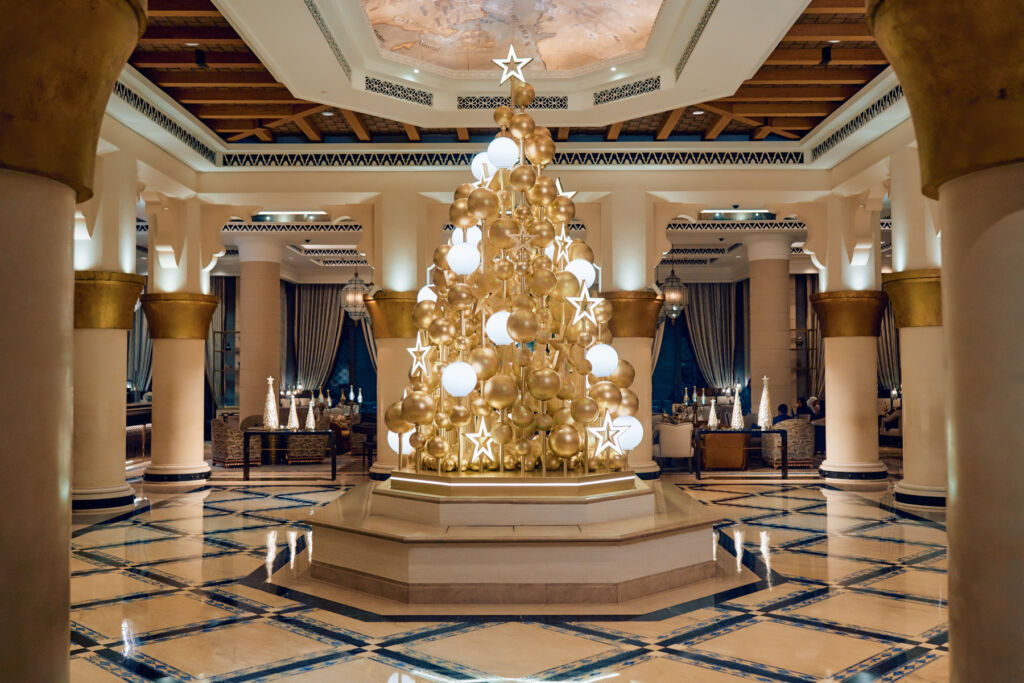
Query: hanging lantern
(352,297)
(676,296)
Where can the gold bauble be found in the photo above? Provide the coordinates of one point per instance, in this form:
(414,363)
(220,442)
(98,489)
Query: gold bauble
(605,335)
(394,420)
(424,313)
(585,410)
(540,150)
(464,190)
(502,115)
(501,232)
(504,269)
(542,130)
(567,284)
(459,215)
(566,390)
(500,391)
(449,464)
(603,311)
(562,416)
(564,441)
(529,464)
(441,256)
(479,406)
(522,267)
(417,440)
(441,330)
(544,189)
(460,415)
(442,421)
(439,278)
(484,360)
(542,281)
(502,433)
(522,211)
(418,408)
(541,262)
(521,126)
(542,234)
(623,374)
(580,249)
(543,384)
(522,356)
(483,203)
(617,463)
(522,177)
(461,297)
(520,416)
(607,395)
(629,404)
(543,422)
(428,462)
(522,447)
(522,326)
(562,210)
(584,337)
(522,302)
(522,94)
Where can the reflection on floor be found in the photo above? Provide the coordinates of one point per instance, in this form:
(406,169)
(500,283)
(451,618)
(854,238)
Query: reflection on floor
(846,589)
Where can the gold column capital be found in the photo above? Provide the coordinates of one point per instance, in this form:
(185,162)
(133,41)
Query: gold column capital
(634,313)
(179,315)
(959,65)
(60,63)
(391,314)
(916,297)
(850,313)
(106,300)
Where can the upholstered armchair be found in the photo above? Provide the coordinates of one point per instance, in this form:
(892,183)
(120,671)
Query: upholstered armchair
(226,443)
(674,440)
(306,448)
(800,440)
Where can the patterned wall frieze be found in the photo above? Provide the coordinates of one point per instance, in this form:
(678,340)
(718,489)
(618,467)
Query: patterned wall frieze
(695,36)
(290,227)
(154,114)
(341,253)
(647,159)
(341,262)
(696,251)
(687,261)
(735,225)
(885,224)
(493,101)
(857,122)
(621,92)
(399,91)
(141,225)
(231,251)
(329,37)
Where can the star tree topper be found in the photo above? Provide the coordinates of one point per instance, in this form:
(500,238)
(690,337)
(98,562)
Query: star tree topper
(607,435)
(419,354)
(512,66)
(584,305)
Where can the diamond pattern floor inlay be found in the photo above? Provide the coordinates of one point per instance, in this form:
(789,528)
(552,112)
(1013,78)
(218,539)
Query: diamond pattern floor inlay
(845,588)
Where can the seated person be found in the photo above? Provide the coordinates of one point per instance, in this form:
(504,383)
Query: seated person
(783,414)
(817,407)
(802,408)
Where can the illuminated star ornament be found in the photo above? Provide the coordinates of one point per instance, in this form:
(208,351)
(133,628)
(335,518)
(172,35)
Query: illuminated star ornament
(561,192)
(562,242)
(512,66)
(482,443)
(419,354)
(607,435)
(584,305)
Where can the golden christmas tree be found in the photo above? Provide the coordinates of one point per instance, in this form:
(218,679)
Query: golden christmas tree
(513,369)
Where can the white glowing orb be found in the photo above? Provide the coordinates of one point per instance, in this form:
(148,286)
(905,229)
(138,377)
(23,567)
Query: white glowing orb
(463,258)
(479,166)
(503,153)
(458,236)
(426,293)
(474,235)
(549,251)
(583,270)
(393,441)
(603,359)
(634,433)
(458,379)
(497,328)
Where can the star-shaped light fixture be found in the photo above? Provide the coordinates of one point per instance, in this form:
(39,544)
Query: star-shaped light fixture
(561,192)
(512,66)
(419,354)
(561,243)
(482,443)
(584,306)
(607,435)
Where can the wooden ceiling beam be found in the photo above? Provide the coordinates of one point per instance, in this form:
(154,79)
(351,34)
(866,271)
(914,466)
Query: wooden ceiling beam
(753,93)
(810,33)
(356,124)
(264,135)
(612,134)
(717,127)
(411,132)
(563,133)
(180,35)
(213,79)
(773,76)
(793,123)
(669,124)
(233,95)
(233,125)
(181,8)
(186,59)
(293,115)
(811,56)
(242,111)
(783,108)
(760,133)
(311,133)
(462,134)
(834,7)
(726,110)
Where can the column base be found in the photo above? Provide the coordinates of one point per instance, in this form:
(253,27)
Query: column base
(379,472)
(854,475)
(103,499)
(176,474)
(911,497)
(647,472)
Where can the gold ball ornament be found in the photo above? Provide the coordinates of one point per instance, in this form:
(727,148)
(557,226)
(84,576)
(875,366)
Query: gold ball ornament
(439,278)
(607,395)
(464,190)
(522,94)
(521,125)
(543,422)
(578,249)
(461,297)
(479,407)
(500,233)
(541,262)
(585,410)
(542,130)
(394,420)
(540,150)
(442,421)
(441,256)
(441,330)
(629,403)
(542,234)
(460,415)
(511,462)
(500,391)
(418,408)
(542,281)
(522,356)
(521,416)
(522,448)
(424,313)
(428,462)
(543,384)
(603,311)
(522,177)
(502,115)
(566,390)
(522,302)
(483,203)
(417,440)
(459,215)
(562,416)
(623,374)
(562,210)
(564,441)
(567,284)
(449,464)
(502,433)
(484,360)
(544,189)
(522,325)
(504,269)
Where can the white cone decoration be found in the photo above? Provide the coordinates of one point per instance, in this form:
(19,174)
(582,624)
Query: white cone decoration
(293,415)
(311,416)
(713,415)
(764,411)
(270,419)
(737,410)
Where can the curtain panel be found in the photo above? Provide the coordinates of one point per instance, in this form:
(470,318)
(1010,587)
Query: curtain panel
(214,360)
(659,336)
(318,320)
(371,344)
(140,353)
(889,352)
(711,320)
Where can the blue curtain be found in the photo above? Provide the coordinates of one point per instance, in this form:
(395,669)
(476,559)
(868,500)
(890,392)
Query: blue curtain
(352,365)
(677,367)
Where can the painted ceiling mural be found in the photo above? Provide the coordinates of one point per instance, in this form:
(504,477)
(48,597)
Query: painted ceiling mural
(461,36)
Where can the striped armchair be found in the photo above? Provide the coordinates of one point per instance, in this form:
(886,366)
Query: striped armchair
(226,443)
(800,439)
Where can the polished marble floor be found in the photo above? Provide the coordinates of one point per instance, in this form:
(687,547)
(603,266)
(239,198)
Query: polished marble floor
(844,588)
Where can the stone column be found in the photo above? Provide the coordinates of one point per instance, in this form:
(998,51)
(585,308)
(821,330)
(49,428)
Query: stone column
(259,321)
(393,333)
(770,352)
(52,97)
(850,324)
(634,324)
(968,111)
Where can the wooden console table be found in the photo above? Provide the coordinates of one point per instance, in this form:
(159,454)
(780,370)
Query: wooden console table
(697,455)
(282,436)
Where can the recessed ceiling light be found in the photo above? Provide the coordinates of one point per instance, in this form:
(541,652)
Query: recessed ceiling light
(698,112)
(613,68)
(833,41)
(415,71)
(191,44)
(327,113)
